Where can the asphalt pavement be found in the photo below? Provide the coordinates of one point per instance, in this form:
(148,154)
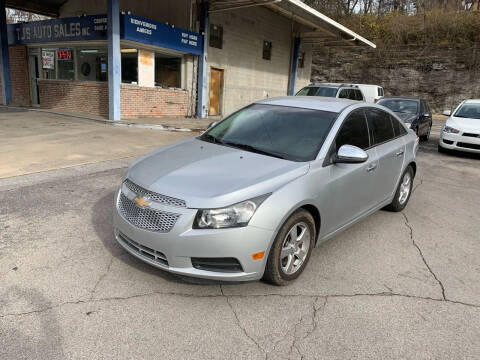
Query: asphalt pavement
(394,286)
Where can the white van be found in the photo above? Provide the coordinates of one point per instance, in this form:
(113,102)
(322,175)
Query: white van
(372,93)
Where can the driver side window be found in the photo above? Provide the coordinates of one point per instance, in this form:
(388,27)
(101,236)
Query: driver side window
(354,131)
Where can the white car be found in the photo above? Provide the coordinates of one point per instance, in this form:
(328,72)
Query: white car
(462,129)
(372,93)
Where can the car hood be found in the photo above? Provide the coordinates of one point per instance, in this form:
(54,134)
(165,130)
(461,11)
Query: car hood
(405,117)
(208,175)
(464,124)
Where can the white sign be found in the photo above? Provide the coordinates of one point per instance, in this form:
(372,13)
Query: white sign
(48,59)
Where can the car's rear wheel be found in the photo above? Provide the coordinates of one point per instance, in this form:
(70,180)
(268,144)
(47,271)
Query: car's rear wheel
(291,249)
(404,190)
(427,135)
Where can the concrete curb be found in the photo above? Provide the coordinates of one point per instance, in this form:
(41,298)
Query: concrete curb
(106,121)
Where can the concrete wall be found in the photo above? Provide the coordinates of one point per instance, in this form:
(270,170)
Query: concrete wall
(19,75)
(247,76)
(91,97)
(175,12)
(304,74)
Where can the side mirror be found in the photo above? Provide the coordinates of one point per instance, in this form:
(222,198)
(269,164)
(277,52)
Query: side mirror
(212,124)
(447,112)
(349,154)
(427,115)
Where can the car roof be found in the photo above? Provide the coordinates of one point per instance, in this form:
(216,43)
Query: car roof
(472,101)
(401,97)
(310,102)
(333,85)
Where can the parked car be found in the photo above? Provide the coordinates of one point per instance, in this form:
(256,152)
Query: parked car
(414,112)
(462,129)
(253,195)
(372,93)
(341,91)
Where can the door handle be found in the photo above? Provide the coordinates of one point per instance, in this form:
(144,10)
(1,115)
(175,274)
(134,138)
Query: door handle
(371,167)
(399,152)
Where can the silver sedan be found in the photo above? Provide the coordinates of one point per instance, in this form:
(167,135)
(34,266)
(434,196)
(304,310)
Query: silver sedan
(253,195)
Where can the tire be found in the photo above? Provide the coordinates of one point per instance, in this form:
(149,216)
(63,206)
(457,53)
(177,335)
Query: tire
(427,135)
(277,269)
(402,195)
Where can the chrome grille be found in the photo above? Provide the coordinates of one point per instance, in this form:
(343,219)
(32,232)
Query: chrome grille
(146,218)
(163,199)
(154,255)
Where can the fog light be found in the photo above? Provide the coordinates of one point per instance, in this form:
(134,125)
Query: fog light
(258,256)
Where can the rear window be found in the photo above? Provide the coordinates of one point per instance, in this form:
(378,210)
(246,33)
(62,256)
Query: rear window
(307,91)
(380,91)
(317,91)
(380,124)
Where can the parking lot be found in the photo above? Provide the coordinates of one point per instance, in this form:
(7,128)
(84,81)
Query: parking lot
(396,285)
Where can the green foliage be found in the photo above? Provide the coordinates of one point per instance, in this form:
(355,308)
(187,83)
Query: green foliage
(433,27)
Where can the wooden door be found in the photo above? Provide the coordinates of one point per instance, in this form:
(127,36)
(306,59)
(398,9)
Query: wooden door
(216,81)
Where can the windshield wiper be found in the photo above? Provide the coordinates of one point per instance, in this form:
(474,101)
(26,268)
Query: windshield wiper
(253,149)
(211,138)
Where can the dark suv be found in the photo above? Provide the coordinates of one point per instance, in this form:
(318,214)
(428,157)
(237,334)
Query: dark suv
(414,112)
(341,91)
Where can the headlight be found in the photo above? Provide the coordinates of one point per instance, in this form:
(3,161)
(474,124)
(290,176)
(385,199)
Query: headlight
(237,215)
(450,130)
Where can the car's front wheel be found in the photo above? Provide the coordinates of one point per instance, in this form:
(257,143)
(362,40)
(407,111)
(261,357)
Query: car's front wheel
(291,249)
(404,190)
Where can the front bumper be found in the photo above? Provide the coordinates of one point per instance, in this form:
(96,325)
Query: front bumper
(460,142)
(172,251)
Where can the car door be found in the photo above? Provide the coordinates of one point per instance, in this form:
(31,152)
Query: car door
(428,118)
(390,151)
(350,187)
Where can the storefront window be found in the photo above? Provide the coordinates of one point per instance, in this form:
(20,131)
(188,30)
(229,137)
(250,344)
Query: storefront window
(66,69)
(92,64)
(129,66)
(167,71)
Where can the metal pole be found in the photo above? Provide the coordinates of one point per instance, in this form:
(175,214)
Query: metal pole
(114,59)
(4,59)
(294,70)
(202,84)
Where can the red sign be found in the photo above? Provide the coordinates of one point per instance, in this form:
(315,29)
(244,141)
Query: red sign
(64,54)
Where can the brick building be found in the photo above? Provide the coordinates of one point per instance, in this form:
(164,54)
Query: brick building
(162,58)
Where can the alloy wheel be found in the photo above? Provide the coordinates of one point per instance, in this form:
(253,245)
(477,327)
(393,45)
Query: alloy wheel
(405,188)
(295,248)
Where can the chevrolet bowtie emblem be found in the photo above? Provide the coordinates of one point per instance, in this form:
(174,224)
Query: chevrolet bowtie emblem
(141,201)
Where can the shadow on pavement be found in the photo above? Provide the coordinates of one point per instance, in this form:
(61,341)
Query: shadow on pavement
(102,221)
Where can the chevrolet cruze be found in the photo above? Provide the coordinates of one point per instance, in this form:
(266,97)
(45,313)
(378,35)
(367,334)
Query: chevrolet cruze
(253,195)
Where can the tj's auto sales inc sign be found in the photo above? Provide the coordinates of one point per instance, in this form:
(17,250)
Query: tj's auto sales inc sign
(94,27)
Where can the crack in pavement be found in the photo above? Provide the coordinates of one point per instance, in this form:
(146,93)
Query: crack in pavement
(239,324)
(417,186)
(314,325)
(100,279)
(186,295)
(423,257)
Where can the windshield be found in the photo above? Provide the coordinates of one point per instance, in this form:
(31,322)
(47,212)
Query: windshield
(471,111)
(285,132)
(400,105)
(318,91)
